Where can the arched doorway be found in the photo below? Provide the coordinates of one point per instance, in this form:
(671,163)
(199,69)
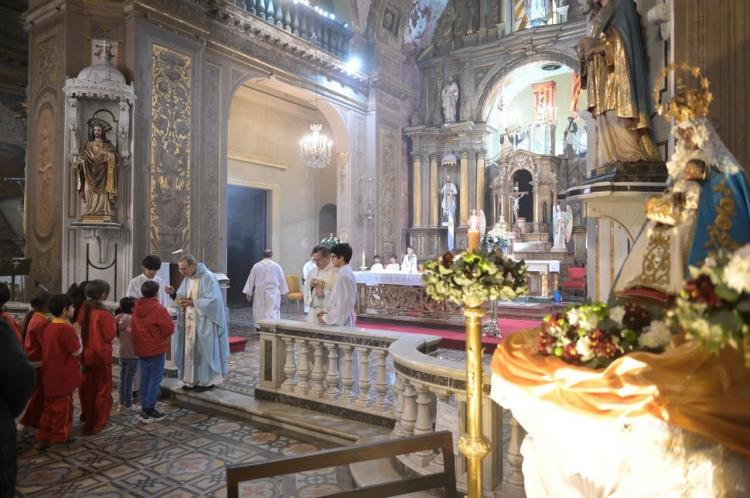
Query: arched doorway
(522,179)
(327,221)
(267,120)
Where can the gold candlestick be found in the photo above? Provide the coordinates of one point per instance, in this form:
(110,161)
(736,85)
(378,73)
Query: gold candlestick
(473,445)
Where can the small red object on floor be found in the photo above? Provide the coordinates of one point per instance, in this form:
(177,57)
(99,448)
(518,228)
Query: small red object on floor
(237,344)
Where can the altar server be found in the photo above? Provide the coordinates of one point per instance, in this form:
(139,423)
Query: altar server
(61,351)
(344,293)
(150,265)
(409,264)
(377,266)
(392,265)
(264,287)
(35,325)
(318,286)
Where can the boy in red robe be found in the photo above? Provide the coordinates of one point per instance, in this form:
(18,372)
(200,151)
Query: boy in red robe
(61,351)
(35,324)
(98,330)
(4,298)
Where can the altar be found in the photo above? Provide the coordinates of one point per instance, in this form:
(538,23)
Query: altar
(401,296)
(543,276)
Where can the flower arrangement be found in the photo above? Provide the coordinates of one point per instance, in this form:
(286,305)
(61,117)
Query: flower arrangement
(714,305)
(329,241)
(594,335)
(472,278)
(494,242)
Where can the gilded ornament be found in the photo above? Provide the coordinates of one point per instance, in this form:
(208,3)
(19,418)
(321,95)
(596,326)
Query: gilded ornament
(657,260)
(719,234)
(687,103)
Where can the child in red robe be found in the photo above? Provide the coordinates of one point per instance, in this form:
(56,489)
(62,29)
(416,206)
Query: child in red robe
(36,322)
(98,330)
(61,350)
(4,298)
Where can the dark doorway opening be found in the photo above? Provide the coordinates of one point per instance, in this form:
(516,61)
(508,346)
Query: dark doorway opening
(247,237)
(522,178)
(327,221)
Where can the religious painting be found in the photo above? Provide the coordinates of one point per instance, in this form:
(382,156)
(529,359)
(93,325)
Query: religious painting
(544,101)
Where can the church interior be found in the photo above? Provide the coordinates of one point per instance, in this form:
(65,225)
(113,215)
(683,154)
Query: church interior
(537,217)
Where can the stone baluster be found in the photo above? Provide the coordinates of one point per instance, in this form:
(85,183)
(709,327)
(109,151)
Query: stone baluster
(314,24)
(512,485)
(325,33)
(287,17)
(332,376)
(278,16)
(423,423)
(303,370)
(347,374)
(364,378)
(409,415)
(260,8)
(294,11)
(250,6)
(441,396)
(381,380)
(270,10)
(316,379)
(398,405)
(304,30)
(289,367)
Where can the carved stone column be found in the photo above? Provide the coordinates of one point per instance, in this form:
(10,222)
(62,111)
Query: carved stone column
(416,189)
(434,191)
(464,192)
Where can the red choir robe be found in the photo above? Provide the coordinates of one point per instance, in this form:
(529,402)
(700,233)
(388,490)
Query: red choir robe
(33,346)
(96,388)
(61,376)
(13,325)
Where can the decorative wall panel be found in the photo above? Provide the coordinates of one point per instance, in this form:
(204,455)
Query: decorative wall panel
(210,189)
(170,162)
(387,182)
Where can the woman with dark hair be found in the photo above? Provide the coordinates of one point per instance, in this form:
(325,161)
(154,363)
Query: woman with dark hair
(98,330)
(33,327)
(78,294)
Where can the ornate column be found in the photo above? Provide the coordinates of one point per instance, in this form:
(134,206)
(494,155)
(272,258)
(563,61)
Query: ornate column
(480,180)
(434,191)
(464,192)
(416,189)
(537,203)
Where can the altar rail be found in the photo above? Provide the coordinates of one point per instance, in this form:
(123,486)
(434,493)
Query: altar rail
(303,21)
(407,303)
(389,379)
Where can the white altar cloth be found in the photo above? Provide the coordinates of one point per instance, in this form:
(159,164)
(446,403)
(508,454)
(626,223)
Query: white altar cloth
(388,278)
(568,454)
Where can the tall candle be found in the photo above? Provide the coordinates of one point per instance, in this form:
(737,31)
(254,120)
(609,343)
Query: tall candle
(473,233)
(363,258)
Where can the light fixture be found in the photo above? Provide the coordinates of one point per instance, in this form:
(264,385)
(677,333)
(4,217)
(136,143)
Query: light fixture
(316,147)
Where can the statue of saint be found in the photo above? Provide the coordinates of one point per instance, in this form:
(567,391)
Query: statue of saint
(97,173)
(450,99)
(448,204)
(613,70)
(538,11)
(560,227)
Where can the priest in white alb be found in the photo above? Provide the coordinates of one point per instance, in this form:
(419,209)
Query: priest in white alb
(264,287)
(409,264)
(340,310)
(320,282)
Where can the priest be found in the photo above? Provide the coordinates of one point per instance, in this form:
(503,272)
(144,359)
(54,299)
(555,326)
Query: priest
(409,264)
(264,287)
(320,282)
(201,335)
(343,297)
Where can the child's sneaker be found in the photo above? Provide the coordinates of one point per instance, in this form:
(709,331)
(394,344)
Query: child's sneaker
(156,415)
(133,408)
(145,418)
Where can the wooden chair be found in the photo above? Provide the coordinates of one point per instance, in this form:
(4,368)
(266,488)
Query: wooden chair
(576,280)
(352,454)
(295,293)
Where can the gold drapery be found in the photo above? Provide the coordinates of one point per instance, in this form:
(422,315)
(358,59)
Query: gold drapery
(686,386)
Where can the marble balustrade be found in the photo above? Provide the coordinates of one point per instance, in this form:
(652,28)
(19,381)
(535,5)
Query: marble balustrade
(391,379)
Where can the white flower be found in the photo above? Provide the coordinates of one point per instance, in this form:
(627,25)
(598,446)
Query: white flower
(617,314)
(657,336)
(589,323)
(573,316)
(737,271)
(583,348)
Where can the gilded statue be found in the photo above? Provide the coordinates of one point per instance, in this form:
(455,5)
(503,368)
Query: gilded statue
(613,71)
(96,170)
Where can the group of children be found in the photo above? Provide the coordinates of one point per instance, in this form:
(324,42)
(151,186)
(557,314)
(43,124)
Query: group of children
(73,350)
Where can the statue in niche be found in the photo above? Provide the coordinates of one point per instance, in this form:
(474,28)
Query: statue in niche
(538,12)
(97,173)
(448,204)
(450,101)
(560,221)
(613,70)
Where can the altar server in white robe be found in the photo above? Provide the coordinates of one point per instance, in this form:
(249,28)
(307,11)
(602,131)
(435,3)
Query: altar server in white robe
(344,293)
(392,265)
(409,264)
(320,282)
(264,287)
(306,271)
(377,266)
(151,264)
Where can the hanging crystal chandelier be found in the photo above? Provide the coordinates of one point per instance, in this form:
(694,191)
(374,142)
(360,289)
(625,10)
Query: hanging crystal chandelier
(316,148)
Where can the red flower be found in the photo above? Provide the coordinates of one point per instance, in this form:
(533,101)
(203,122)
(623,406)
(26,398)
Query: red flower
(702,290)
(570,354)
(636,317)
(447,259)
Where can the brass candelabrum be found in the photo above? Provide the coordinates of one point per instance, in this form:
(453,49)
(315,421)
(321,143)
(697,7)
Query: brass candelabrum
(473,445)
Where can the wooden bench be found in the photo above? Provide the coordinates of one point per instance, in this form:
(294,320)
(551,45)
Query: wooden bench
(343,456)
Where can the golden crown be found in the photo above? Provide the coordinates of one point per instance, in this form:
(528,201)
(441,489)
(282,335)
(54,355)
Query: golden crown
(687,103)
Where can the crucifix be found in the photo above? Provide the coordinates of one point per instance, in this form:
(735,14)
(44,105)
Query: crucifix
(104,50)
(515,197)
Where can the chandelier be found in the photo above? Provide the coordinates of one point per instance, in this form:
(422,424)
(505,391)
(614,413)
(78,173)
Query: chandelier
(316,148)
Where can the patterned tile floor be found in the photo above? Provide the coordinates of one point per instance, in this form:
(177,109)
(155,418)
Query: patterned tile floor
(183,456)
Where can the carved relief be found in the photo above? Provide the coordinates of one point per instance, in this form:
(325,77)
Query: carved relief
(210,225)
(387,182)
(171,122)
(46,67)
(45,219)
